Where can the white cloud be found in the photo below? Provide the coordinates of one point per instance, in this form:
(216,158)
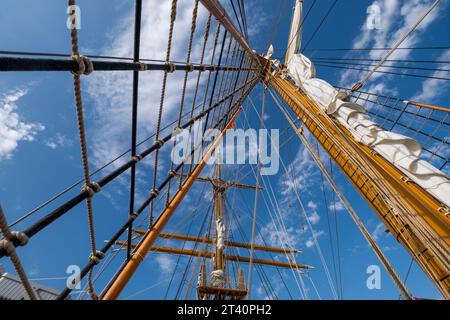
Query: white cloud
(111,92)
(389,248)
(58,141)
(257,18)
(378,232)
(433,88)
(166,263)
(12,128)
(300,174)
(312,205)
(314,218)
(275,236)
(339,206)
(310,242)
(397,17)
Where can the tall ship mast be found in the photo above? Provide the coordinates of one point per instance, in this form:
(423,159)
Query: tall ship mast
(377,158)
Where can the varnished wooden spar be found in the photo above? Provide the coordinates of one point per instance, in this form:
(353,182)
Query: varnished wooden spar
(223,183)
(209,255)
(345,151)
(174,236)
(218,11)
(141,251)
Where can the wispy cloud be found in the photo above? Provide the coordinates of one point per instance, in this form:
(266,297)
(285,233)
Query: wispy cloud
(12,128)
(314,218)
(166,263)
(339,206)
(433,88)
(310,242)
(299,173)
(312,205)
(397,17)
(298,181)
(110,93)
(257,19)
(59,140)
(378,232)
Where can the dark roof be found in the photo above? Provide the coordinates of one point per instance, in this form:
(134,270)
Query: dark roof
(11,288)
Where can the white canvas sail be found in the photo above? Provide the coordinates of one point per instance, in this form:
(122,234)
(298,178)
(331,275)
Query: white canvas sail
(295,36)
(401,151)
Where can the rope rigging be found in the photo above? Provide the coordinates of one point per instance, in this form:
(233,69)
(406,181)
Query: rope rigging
(244,17)
(239,19)
(155,191)
(91,188)
(358,85)
(255,206)
(7,245)
(233,73)
(403,290)
(274,32)
(382,49)
(248,211)
(300,27)
(387,60)
(384,72)
(278,220)
(322,21)
(384,66)
(184,244)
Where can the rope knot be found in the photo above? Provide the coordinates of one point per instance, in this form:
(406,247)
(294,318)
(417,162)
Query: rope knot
(143,66)
(159,144)
(136,158)
(170,67)
(190,67)
(172,173)
(177,131)
(21,237)
(133,216)
(85,65)
(97,257)
(154,193)
(92,188)
(202,68)
(7,246)
(445,210)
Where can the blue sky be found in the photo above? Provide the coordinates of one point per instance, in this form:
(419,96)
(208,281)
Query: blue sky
(41,155)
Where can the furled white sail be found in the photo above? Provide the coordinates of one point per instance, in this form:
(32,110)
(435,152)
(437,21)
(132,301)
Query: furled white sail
(295,36)
(218,279)
(220,234)
(402,151)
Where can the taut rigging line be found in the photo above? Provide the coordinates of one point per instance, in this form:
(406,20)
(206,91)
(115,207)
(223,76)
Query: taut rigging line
(383,259)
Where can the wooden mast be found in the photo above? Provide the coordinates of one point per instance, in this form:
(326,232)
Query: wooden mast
(371,175)
(219,194)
